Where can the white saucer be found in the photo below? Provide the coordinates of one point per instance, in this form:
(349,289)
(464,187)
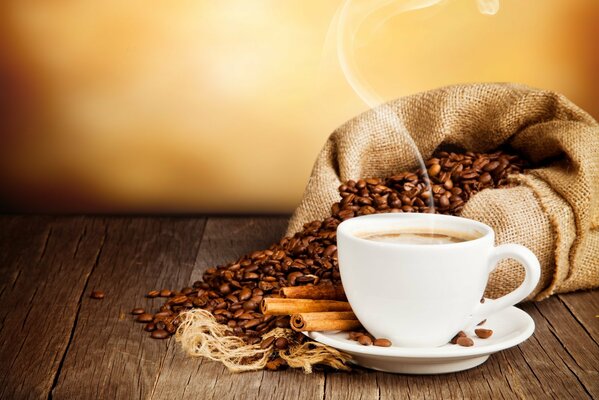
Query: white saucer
(510,326)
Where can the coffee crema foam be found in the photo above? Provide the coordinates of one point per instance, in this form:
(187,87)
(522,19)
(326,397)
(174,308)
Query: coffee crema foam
(419,237)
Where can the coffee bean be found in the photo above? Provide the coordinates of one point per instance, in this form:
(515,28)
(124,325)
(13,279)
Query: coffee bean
(282,322)
(165,293)
(97,294)
(485,178)
(160,334)
(137,311)
(481,322)
(179,299)
(382,342)
(153,293)
(245,294)
(266,343)
(483,333)
(150,327)
(251,276)
(225,288)
(365,340)
(346,214)
(199,301)
(491,166)
(460,334)
(434,170)
(465,341)
(145,317)
(292,277)
(444,202)
(276,364)
(252,323)
(355,335)
(281,343)
(163,314)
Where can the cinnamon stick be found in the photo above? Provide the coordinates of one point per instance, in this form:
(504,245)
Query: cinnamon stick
(278,306)
(321,292)
(324,321)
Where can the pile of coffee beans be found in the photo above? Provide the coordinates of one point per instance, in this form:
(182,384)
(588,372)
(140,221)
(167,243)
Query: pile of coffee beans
(233,292)
(452,179)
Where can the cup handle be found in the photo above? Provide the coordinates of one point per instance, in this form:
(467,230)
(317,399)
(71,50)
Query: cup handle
(532,275)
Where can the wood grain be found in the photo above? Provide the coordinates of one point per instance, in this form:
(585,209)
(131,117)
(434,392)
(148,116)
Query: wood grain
(56,342)
(584,306)
(573,344)
(110,356)
(44,266)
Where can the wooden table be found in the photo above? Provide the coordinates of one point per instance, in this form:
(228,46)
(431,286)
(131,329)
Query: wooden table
(56,342)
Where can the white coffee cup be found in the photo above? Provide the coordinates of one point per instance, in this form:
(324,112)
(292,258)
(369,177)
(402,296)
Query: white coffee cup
(421,295)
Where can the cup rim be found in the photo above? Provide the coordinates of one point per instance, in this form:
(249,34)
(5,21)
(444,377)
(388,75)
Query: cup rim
(343,227)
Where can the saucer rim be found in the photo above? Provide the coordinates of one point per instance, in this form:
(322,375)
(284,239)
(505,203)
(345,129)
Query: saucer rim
(445,351)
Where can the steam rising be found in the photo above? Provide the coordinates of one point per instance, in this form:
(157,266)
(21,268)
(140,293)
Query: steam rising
(352,17)
(489,7)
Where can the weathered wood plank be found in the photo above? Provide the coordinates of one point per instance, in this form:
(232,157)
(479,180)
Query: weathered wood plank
(110,356)
(547,359)
(182,377)
(360,384)
(44,265)
(573,344)
(584,306)
(487,379)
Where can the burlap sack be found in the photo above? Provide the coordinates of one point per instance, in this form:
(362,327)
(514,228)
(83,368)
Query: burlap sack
(555,209)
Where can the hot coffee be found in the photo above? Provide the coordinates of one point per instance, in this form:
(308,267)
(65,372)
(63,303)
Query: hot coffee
(425,293)
(408,236)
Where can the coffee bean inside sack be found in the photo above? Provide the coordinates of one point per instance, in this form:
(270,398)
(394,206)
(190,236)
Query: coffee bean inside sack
(233,292)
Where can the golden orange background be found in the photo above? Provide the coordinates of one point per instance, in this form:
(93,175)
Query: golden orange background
(222,106)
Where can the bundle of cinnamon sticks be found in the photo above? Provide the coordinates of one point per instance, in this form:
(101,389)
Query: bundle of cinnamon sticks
(313,308)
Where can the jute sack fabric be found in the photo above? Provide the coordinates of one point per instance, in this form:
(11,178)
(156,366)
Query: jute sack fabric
(553,209)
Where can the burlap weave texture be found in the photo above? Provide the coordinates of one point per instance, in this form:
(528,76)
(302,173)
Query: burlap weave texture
(555,209)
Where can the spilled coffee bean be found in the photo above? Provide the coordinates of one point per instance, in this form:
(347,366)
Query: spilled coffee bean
(483,333)
(97,295)
(145,317)
(460,334)
(160,334)
(365,340)
(465,341)
(382,342)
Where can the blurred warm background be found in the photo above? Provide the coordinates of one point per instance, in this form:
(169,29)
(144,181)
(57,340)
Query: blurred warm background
(222,106)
